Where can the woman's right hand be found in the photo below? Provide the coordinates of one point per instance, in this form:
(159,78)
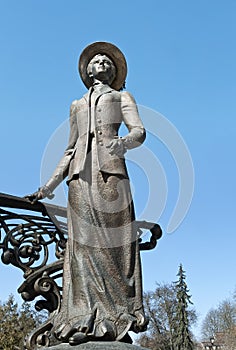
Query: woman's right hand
(35,197)
(42,193)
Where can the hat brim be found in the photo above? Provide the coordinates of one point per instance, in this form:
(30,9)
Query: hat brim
(113,53)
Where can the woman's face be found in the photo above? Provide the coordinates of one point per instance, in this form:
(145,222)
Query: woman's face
(102,68)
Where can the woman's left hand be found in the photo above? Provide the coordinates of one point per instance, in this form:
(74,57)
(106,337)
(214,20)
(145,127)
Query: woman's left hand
(117,147)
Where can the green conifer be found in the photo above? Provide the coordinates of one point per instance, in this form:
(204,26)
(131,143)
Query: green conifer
(182,339)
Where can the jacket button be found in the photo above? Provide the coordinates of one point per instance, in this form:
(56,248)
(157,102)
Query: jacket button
(100,143)
(99,132)
(99,120)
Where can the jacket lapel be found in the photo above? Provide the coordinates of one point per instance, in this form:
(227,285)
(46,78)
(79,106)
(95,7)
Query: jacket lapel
(87,97)
(88,94)
(104,89)
(98,92)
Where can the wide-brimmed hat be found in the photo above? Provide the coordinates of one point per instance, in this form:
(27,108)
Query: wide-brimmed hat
(113,53)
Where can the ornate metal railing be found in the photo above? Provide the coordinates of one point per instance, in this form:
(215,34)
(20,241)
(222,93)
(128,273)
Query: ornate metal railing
(35,243)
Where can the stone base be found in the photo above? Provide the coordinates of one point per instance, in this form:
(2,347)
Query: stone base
(109,345)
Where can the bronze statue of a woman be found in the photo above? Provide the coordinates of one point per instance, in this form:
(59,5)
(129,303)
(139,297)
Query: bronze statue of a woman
(102,283)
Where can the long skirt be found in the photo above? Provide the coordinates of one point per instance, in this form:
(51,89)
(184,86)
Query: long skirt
(102,283)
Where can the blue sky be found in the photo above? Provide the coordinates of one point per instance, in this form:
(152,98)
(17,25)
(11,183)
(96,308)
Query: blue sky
(181,63)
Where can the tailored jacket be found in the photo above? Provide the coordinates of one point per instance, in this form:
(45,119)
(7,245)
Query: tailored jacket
(108,110)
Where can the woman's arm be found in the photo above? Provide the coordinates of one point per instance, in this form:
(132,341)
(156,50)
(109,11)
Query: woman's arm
(137,133)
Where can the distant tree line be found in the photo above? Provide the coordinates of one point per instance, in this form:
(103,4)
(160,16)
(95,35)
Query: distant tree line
(220,322)
(172,316)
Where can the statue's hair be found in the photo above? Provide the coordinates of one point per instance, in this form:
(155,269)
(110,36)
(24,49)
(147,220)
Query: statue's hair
(113,67)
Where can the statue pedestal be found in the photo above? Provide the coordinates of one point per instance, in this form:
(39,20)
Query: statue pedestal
(97,346)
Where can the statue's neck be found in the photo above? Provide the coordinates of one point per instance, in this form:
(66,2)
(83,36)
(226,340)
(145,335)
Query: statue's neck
(100,82)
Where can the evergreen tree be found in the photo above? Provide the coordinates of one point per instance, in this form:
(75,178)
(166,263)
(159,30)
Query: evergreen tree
(161,308)
(16,323)
(182,339)
(170,316)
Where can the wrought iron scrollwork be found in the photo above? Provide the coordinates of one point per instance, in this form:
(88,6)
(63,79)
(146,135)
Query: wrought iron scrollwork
(156,233)
(28,237)
(35,244)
